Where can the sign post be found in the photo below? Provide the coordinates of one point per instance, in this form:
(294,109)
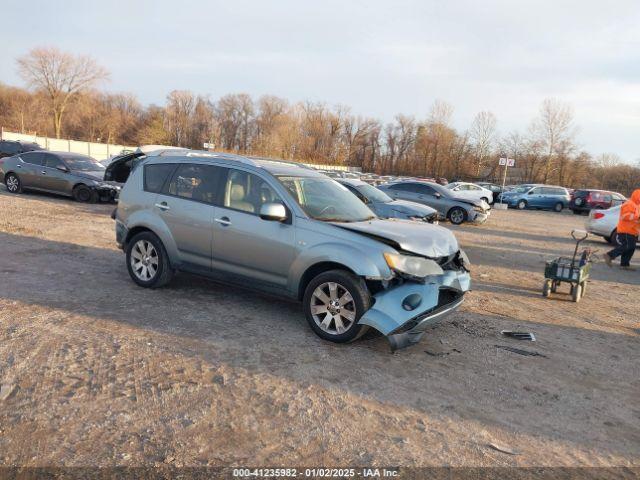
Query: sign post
(506,162)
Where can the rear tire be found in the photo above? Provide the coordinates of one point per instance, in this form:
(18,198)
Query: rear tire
(546,288)
(333,303)
(13,183)
(457,215)
(576,292)
(613,239)
(147,261)
(558,207)
(83,194)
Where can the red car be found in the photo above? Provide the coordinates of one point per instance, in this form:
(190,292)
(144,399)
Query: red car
(583,201)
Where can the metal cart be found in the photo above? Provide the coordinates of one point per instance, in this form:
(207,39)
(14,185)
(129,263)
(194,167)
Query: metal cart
(574,271)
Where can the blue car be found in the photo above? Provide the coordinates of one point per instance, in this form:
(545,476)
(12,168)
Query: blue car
(386,207)
(549,197)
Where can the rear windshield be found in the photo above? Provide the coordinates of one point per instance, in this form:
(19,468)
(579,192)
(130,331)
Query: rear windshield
(581,193)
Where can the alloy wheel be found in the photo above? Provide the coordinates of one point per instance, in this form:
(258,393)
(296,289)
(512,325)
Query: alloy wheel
(13,183)
(457,216)
(333,308)
(144,260)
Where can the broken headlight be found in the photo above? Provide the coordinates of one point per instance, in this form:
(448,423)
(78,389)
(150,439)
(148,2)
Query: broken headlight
(411,265)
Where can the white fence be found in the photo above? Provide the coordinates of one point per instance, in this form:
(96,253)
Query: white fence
(102,151)
(99,151)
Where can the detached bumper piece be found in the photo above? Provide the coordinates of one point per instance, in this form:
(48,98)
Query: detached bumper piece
(403,312)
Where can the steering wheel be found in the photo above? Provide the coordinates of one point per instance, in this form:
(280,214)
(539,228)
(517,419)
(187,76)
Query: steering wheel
(327,209)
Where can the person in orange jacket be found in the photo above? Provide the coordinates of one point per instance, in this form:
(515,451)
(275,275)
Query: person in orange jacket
(628,230)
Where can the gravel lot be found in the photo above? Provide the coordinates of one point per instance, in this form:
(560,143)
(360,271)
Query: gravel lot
(97,371)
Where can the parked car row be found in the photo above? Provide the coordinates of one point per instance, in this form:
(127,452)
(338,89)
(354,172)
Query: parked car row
(63,173)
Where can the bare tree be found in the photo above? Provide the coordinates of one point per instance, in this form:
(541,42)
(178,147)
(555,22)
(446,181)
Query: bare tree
(61,76)
(554,130)
(482,133)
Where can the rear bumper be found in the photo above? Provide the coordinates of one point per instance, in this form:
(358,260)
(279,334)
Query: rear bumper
(121,234)
(403,312)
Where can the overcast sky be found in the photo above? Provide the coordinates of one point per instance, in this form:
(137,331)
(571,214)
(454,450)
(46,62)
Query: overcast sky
(378,57)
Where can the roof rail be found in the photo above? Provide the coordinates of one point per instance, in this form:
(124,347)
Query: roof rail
(279,160)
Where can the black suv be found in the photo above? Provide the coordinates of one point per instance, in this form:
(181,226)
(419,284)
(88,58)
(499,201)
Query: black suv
(9,148)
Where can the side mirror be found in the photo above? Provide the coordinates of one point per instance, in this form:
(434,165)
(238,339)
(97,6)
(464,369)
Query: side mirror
(437,194)
(63,168)
(456,189)
(274,212)
(531,192)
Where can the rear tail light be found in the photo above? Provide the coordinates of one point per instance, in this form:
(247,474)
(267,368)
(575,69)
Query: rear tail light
(598,215)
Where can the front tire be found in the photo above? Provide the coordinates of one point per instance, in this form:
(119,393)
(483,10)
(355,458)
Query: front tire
(147,261)
(84,194)
(522,204)
(13,183)
(333,303)
(457,215)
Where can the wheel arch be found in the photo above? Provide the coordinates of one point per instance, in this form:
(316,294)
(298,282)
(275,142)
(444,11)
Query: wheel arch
(457,207)
(315,270)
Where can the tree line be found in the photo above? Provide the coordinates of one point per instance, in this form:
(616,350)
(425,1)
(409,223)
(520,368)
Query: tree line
(63,99)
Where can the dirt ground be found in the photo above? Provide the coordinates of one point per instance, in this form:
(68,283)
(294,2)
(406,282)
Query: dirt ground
(98,372)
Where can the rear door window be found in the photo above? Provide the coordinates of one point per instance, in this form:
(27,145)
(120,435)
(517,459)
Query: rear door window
(197,182)
(156,175)
(34,158)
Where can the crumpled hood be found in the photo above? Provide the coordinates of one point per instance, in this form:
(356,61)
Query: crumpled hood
(420,238)
(97,176)
(476,203)
(410,208)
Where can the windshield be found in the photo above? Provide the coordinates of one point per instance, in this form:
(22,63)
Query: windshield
(82,164)
(522,189)
(325,199)
(373,194)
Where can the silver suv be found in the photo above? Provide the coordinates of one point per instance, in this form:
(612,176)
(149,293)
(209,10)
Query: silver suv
(287,229)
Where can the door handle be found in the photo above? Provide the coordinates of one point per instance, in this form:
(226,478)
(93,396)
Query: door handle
(163,206)
(19,166)
(43,172)
(224,221)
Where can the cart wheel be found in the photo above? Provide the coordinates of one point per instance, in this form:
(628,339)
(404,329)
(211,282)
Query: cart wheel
(576,292)
(546,288)
(554,286)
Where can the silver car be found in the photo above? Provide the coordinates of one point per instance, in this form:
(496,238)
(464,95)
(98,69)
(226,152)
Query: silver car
(454,208)
(287,229)
(64,173)
(386,207)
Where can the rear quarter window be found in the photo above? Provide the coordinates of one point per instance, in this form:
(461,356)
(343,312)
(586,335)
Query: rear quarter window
(156,175)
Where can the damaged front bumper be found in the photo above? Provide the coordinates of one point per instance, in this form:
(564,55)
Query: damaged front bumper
(404,311)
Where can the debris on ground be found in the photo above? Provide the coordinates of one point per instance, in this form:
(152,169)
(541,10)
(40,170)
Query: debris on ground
(519,351)
(503,449)
(6,391)
(519,335)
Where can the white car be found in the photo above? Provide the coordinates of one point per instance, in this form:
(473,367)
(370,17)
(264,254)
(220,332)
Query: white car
(603,223)
(471,191)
